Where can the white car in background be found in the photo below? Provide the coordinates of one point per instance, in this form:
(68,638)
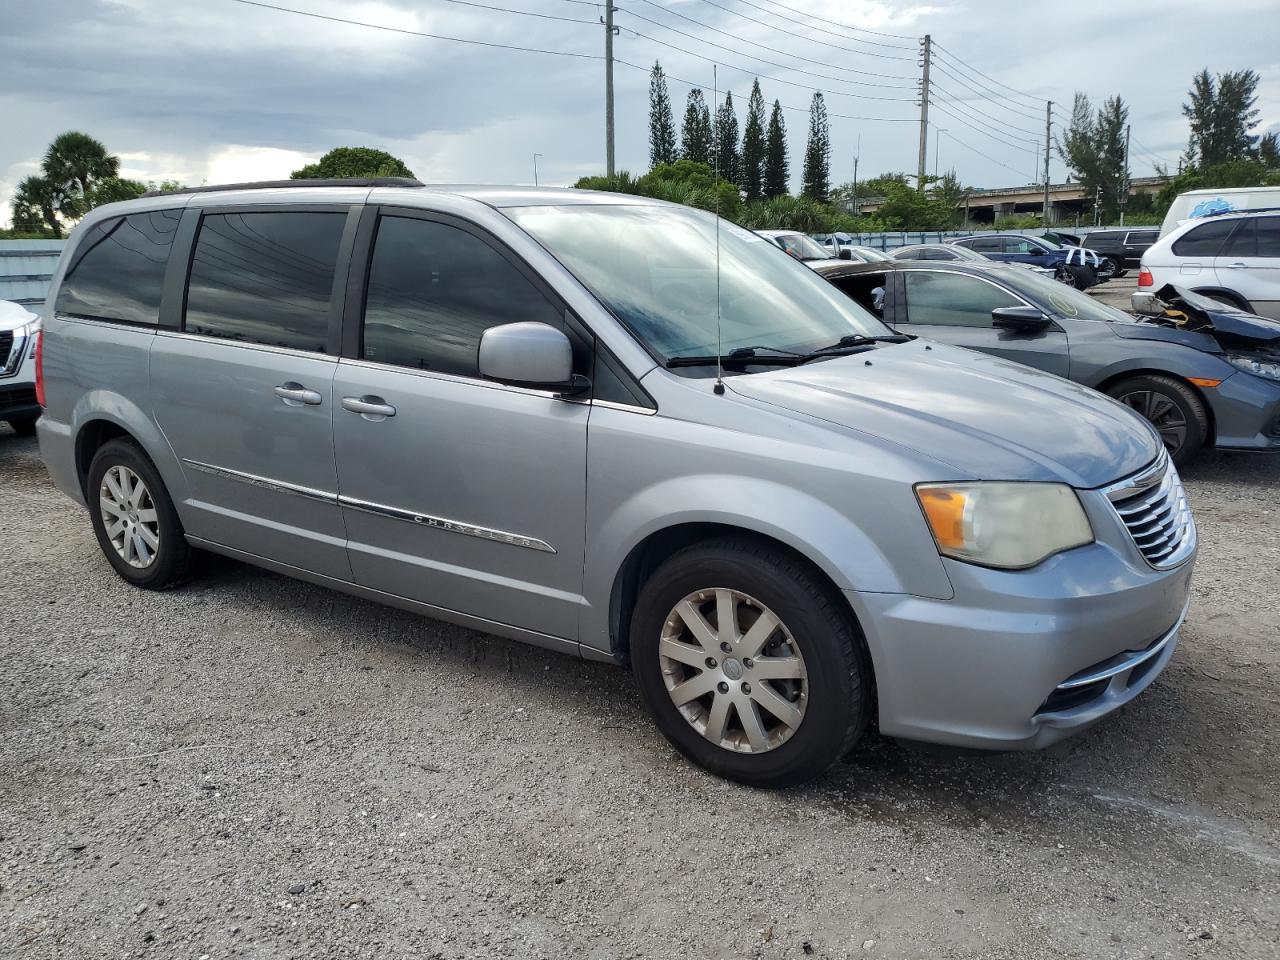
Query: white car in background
(18,368)
(799,245)
(1233,258)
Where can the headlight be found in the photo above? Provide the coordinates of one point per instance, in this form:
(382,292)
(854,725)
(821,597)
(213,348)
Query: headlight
(1270,369)
(1007,525)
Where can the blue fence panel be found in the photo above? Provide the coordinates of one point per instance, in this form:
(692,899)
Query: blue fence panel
(26,267)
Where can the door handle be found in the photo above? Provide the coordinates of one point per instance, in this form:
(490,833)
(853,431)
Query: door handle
(1238,266)
(295,394)
(369,407)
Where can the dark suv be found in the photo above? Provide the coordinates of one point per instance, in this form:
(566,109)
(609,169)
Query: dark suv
(1124,248)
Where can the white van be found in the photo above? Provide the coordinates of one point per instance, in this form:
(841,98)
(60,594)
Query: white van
(1201,203)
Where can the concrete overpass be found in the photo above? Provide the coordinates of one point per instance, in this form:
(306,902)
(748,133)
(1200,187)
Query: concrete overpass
(1067,201)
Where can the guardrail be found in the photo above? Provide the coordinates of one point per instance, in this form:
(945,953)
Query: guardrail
(26,267)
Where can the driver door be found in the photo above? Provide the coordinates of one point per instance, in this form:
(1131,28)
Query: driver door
(956,308)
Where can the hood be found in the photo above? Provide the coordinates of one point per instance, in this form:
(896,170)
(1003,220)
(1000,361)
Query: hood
(13,316)
(1206,324)
(985,417)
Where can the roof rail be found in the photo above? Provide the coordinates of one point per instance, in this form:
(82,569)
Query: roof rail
(288,184)
(1224,213)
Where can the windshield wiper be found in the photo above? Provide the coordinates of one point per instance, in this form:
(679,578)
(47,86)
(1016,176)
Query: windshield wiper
(740,356)
(855,343)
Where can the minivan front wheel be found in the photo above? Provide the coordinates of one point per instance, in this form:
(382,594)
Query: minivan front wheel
(750,663)
(134,518)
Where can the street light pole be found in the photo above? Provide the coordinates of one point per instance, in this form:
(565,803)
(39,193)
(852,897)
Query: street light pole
(535,168)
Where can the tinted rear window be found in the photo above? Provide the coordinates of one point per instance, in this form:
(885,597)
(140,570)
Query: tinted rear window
(1205,240)
(265,277)
(117,272)
(1143,236)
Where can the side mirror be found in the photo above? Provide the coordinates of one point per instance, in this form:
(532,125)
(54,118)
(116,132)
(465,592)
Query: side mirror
(1022,319)
(845,253)
(529,355)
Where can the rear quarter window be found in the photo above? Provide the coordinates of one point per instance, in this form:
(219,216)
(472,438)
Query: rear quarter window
(1204,240)
(117,271)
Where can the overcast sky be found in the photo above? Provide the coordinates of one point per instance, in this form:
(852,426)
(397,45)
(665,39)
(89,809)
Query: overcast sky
(218,91)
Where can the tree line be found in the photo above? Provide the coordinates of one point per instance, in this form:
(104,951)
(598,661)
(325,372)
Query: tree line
(1222,149)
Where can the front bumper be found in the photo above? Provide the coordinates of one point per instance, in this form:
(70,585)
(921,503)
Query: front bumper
(1022,659)
(18,400)
(1246,413)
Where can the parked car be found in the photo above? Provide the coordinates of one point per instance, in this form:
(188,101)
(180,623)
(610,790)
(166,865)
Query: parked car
(952,251)
(1231,257)
(1195,204)
(1071,266)
(18,406)
(621,429)
(1202,387)
(862,254)
(799,245)
(1124,248)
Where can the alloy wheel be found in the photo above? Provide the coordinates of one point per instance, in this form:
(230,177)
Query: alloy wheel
(129,516)
(1162,412)
(733,670)
(1064,276)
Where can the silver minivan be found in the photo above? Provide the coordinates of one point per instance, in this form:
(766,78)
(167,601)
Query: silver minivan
(621,429)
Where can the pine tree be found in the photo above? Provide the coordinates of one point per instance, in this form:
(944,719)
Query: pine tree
(1092,146)
(1222,112)
(662,124)
(752,160)
(695,135)
(777,172)
(727,159)
(817,153)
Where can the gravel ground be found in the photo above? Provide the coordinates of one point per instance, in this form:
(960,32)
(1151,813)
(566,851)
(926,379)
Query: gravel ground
(256,767)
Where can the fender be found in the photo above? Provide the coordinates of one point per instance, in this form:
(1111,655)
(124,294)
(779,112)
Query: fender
(817,530)
(110,406)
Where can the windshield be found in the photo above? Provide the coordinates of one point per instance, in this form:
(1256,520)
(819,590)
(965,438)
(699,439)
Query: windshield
(654,267)
(1066,301)
(802,247)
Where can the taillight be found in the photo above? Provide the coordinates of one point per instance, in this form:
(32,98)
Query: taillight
(40,368)
(1145,279)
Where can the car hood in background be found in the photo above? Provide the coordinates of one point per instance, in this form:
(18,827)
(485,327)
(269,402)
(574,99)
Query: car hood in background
(988,418)
(14,315)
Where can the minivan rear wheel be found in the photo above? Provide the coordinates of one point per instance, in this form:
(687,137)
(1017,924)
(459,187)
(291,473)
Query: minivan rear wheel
(750,662)
(134,518)
(1172,407)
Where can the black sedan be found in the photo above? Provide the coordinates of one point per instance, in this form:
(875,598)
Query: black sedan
(1202,374)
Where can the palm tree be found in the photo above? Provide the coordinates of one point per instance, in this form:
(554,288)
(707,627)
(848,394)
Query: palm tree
(78,159)
(39,198)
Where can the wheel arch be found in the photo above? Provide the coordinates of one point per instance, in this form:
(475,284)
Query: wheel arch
(100,417)
(1238,300)
(1111,379)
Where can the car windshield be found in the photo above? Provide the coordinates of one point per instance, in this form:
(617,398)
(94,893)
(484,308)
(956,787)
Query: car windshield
(654,267)
(802,247)
(1063,299)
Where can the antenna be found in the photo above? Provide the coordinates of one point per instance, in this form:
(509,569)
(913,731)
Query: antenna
(718,389)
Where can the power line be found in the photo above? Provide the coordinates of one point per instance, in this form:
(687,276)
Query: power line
(961,63)
(419,33)
(733,66)
(1000,126)
(983,155)
(978,130)
(795,56)
(834,23)
(1002,102)
(523,13)
(806,38)
(804,110)
(772,63)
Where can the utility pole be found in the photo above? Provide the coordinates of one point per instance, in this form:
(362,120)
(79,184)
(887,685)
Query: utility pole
(1048,142)
(535,168)
(856,156)
(927,47)
(1124,183)
(609,31)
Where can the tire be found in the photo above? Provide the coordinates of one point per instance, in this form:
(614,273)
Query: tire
(24,426)
(152,512)
(1117,267)
(1074,275)
(824,700)
(1172,406)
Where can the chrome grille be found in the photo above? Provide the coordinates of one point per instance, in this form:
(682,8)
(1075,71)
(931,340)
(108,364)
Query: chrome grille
(1153,507)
